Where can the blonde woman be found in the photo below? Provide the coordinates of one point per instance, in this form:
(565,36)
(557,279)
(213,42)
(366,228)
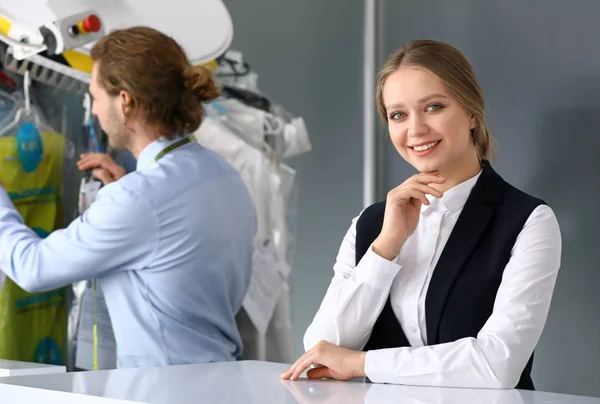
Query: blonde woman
(449,281)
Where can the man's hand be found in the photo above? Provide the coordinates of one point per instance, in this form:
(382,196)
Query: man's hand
(103,167)
(331,360)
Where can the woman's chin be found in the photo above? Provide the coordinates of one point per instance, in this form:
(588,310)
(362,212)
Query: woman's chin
(426,166)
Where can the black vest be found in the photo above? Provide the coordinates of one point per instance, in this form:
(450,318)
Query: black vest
(467,276)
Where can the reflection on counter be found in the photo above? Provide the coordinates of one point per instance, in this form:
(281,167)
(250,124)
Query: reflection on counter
(250,382)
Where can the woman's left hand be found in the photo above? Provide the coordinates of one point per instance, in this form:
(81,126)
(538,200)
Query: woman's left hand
(331,361)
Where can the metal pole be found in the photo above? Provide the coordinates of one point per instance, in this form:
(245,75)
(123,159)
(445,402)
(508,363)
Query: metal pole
(382,138)
(369,129)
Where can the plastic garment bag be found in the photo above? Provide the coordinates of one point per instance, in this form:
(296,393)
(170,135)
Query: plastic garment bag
(33,325)
(266,313)
(255,133)
(286,133)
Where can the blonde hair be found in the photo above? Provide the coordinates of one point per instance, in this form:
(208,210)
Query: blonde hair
(455,71)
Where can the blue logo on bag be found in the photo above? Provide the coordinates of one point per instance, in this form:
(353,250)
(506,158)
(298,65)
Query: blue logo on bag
(40,232)
(29,144)
(48,352)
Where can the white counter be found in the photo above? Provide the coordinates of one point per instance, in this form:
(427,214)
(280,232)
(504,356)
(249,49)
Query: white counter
(18,368)
(242,382)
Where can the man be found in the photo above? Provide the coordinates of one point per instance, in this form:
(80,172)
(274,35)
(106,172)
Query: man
(171,243)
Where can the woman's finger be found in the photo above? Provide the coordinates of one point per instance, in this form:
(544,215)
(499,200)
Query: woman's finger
(424,179)
(302,366)
(428,179)
(402,196)
(427,190)
(290,371)
(414,193)
(319,373)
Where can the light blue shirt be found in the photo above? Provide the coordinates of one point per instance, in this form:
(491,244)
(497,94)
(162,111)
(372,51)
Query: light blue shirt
(171,244)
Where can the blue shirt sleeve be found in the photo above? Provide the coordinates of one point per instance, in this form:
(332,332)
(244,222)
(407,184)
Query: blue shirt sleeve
(118,232)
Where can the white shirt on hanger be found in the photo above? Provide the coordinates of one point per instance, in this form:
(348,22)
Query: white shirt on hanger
(496,358)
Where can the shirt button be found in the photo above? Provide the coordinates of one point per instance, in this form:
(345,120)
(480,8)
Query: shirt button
(413,329)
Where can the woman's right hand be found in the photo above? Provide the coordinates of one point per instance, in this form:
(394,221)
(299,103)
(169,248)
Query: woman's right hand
(402,209)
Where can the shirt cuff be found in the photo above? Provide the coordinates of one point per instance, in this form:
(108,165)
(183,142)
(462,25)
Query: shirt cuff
(375,270)
(380,365)
(5,199)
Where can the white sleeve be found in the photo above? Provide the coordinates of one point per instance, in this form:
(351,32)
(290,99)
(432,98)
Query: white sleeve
(354,298)
(497,357)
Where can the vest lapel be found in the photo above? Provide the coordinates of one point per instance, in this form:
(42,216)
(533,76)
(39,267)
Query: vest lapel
(471,224)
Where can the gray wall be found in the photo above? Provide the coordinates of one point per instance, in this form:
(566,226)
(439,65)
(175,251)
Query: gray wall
(539,65)
(308,54)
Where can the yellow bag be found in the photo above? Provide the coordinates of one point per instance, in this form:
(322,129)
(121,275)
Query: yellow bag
(33,326)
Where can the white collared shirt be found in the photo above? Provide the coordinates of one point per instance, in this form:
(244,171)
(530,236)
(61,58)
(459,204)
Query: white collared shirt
(427,241)
(496,358)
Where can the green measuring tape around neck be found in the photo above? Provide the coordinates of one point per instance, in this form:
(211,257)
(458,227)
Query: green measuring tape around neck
(160,155)
(172,147)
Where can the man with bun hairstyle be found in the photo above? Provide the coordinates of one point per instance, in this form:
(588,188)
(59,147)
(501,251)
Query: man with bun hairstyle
(170,244)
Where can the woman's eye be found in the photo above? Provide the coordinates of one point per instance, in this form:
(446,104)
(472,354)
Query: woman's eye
(434,107)
(397,115)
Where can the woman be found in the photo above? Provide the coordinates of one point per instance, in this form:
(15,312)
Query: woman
(449,281)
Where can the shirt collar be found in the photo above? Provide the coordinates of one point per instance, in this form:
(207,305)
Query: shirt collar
(153,149)
(455,198)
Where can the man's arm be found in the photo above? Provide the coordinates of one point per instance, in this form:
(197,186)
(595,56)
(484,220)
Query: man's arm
(118,232)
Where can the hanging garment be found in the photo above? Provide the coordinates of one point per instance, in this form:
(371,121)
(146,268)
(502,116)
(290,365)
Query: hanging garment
(91,337)
(233,71)
(254,136)
(248,97)
(286,135)
(33,325)
(265,320)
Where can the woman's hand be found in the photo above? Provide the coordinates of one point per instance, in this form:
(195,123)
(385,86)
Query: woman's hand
(331,360)
(402,209)
(103,167)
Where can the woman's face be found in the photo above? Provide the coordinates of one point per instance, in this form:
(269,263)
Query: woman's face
(429,128)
